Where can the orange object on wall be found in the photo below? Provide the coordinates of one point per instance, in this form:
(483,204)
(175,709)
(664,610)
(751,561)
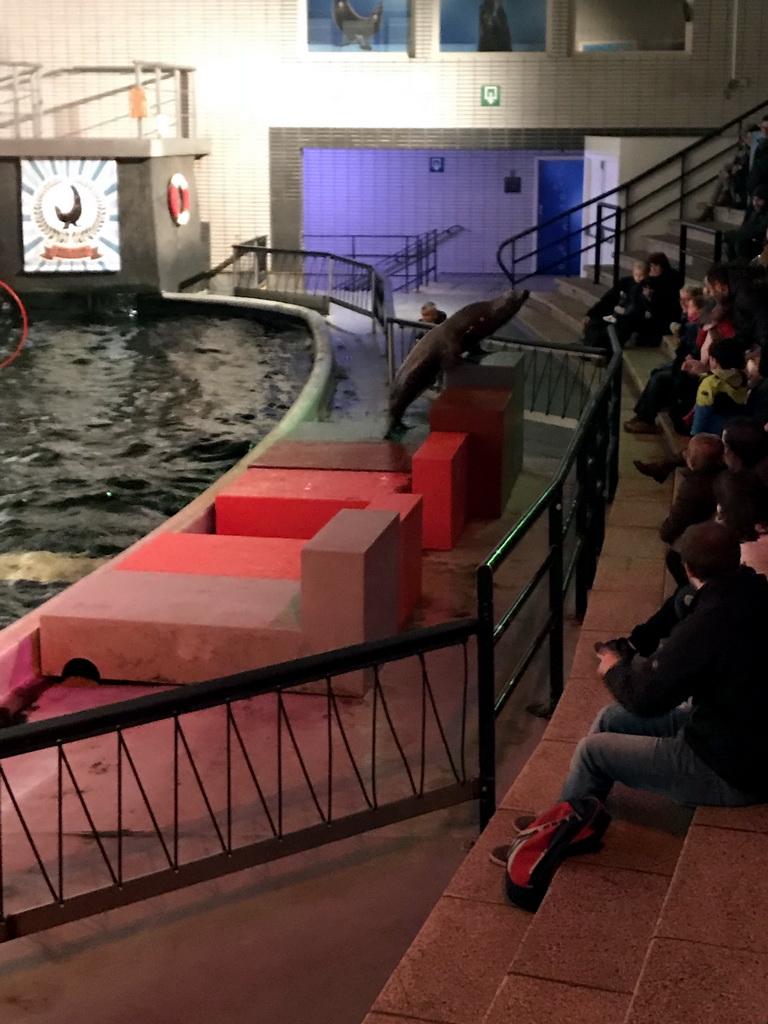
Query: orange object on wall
(137,101)
(440,477)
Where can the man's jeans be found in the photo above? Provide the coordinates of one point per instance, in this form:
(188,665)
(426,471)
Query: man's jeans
(646,753)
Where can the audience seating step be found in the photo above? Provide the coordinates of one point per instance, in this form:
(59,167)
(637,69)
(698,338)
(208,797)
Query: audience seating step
(564,308)
(296,502)
(545,327)
(368,456)
(210,554)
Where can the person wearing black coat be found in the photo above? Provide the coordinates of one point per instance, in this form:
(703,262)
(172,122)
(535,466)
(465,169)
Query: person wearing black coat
(621,304)
(746,241)
(692,713)
(758,169)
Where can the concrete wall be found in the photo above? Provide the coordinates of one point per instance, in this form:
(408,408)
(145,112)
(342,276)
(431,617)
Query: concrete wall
(256,78)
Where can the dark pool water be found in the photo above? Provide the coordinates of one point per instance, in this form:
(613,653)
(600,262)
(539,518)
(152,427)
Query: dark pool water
(107,430)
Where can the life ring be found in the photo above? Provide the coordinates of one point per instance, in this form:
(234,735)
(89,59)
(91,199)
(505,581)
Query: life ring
(24,325)
(178,199)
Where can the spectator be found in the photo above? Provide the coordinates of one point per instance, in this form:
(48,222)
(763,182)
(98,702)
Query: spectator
(731,187)
(431,315)
(757,379)
(661,294)
(669,386)
(758,170)
(690,719)
(746,241)
(722,393)
(694,500)
(742,492)
(621,301)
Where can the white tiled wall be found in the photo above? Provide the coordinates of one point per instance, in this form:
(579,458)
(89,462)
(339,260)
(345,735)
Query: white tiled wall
(254,73)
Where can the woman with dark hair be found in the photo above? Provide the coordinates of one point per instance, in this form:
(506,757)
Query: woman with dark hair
(661,293)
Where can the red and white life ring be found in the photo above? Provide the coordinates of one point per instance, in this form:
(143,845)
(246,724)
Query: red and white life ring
(178,199)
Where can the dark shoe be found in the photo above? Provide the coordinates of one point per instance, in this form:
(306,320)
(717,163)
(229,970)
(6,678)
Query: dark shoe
(657,471)
(620,646)
(638,426)
(500,854)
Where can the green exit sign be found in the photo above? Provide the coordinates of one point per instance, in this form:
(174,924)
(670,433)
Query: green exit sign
(490,95)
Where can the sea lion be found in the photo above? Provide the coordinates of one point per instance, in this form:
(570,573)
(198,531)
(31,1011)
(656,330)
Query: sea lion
(354,27)
(443,347)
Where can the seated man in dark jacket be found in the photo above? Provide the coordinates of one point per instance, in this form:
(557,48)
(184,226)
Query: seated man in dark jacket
(622,302)
(746,241)
(691,716)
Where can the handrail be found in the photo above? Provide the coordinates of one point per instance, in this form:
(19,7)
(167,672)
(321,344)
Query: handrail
(595,446)
(680,156)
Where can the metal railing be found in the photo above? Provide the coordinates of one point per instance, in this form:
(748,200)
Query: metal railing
(164,791)
(289,273)
(20,96)
(568,524)
(668,188)
(559,379)
(96,100)
(408,261)
(711,255)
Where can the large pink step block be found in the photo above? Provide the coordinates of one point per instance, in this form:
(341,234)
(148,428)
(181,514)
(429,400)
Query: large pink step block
(297,502)
(410,508)
(490,417)
(161,627)
(440,470)
(208,554)
(350,585)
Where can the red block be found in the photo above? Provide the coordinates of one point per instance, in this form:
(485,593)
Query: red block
(487,416)
(410,508)
(440,477)
(297,502)
(206,554)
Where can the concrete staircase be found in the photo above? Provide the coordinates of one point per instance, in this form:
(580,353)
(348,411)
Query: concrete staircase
(557,315)
(667,923)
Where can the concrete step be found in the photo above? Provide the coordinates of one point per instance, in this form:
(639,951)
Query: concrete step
(545,327)
(584,289)
(563,308)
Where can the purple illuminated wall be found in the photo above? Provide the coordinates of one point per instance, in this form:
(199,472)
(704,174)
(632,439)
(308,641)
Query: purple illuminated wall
(393,191)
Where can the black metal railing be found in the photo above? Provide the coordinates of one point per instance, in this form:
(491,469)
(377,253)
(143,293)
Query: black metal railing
(559,380)
(408,261)
(567,523)
(711,251)
(664,189)
(163,791)
(291,273)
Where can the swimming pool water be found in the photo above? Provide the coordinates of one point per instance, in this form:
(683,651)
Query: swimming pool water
(106,430)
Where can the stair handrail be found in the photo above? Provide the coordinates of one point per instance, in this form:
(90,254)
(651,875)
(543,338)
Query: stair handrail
(642,176)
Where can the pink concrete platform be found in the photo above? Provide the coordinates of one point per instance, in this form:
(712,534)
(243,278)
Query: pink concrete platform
(296,502)
(362,456)
(164,627)
(488,416)
(440,470)
(410,508)
(273,558)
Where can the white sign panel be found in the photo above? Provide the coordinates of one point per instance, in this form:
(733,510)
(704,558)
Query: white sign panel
(69,216)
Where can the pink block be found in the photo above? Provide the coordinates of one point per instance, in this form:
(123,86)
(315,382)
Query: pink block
(487,415)
(350,583)
(208,554)
(161,627)
(440,476)
(297,502)
(18,665)
(410,508)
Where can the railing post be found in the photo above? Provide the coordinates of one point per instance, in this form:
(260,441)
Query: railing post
(598,243)
(718,246)
(617,246)
(683,248)
(584,567)
(390,335)
(614,419)
(556,602)
(486,723)
(137,83)
(682,185)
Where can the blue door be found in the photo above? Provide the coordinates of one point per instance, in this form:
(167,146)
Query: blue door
(561,186)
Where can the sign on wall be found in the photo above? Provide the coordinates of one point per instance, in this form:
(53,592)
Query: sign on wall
(69,216)
(493,26)
(355,26)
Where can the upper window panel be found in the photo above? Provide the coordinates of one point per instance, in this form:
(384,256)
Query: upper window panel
(608,26)
(493,26)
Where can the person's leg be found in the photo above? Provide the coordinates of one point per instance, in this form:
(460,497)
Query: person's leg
(616,719)
(656,395)
(667,766)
